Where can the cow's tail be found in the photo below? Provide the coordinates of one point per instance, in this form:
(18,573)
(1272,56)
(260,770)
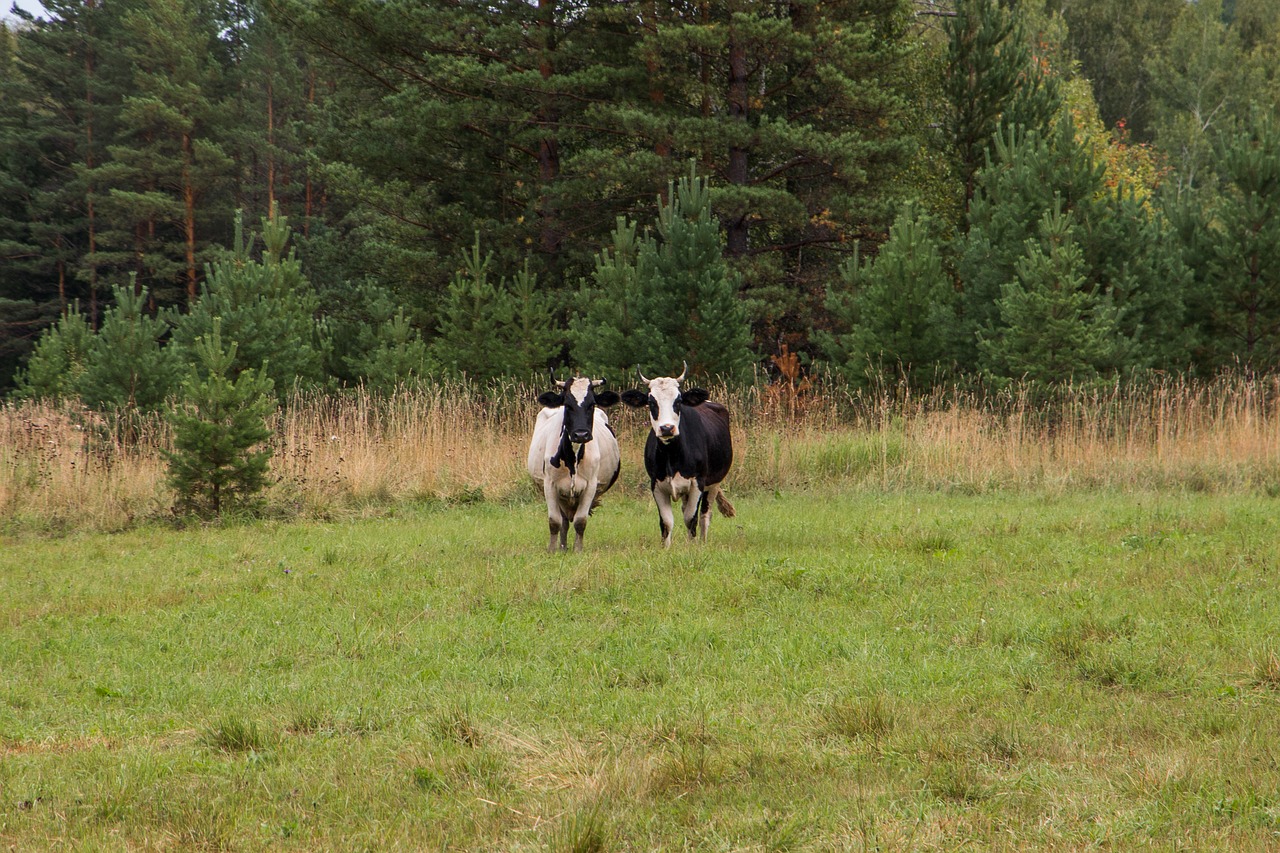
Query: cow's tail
(722,503)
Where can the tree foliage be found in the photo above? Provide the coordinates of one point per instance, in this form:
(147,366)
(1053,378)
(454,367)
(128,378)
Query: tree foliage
(493,328)
(266,305)
(896,313)
(390,133)
(220,456)
(127,366)
(678,297)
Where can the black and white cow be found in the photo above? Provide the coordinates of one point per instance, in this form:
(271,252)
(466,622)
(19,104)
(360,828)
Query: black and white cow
(573,454)
(688,452)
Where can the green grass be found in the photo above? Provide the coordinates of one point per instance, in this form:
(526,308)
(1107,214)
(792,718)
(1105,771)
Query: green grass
(833,671)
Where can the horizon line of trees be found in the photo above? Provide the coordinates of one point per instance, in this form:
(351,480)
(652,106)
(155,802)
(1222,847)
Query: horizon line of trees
(1011,191)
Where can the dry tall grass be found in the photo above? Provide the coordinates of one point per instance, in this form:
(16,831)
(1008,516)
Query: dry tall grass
(63,467)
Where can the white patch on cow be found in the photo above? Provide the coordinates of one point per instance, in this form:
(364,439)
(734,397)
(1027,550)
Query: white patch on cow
(579,388)
(664,390)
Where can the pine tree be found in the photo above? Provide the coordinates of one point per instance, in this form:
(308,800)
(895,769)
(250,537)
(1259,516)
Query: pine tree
(666,298)
(168,162)
(898,310)
(58,360)
(267,306)
(489,329)
(220,457)
(75,84)
(396,356)
(127,368)
(1028,175)
(453,116)
(991,80)
(1233,244)
(604,331)
(1128,259)
(1051,329)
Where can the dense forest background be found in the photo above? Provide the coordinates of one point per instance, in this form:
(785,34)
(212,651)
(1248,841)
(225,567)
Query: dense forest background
(373,190)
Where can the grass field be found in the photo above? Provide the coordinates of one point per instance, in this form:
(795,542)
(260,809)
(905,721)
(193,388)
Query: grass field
(838,669)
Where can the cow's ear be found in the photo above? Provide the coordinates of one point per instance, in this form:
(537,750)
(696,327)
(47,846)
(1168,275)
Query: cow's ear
(607,398)
(635,399)
(694,396)
(551,399)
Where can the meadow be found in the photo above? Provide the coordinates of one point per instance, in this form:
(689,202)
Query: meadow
(927,628)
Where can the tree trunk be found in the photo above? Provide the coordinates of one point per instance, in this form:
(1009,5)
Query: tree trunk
(271,144)
(189,218)
(738,173)
(547,118)
(89,166)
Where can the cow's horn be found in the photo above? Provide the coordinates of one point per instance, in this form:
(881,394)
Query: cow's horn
(552,371)
(596,383)
(684,368)
(641,375)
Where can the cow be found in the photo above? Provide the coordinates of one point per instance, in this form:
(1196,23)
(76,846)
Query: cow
(688,452)
(573,454)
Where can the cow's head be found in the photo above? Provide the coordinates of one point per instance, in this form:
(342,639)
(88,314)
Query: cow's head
(664,400)
(579,397)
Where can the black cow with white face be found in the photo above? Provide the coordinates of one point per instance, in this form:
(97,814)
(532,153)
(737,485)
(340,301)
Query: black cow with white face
(688,453)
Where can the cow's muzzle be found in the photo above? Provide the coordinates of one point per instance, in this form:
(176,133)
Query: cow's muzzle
(666,432)
(580,436)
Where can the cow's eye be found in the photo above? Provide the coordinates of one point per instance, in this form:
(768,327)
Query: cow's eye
(675,407)
(653,407)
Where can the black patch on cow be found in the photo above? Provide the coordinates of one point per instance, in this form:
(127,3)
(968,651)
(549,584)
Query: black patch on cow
(635,399)
(564,453)
(694,396)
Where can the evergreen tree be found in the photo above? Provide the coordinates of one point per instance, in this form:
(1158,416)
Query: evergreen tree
(374,343)
(453,117)
(272,90)
(127,368)
(267,306)
(58,360)
(167,161)
(489,329)
(47,80)
(1050,329)
(992,79)
(75,83)
(1125,246)
(605,330)
(1233,244)
(797,112)
(898,310)
(1027,176)
(680,299)
(219,457)
(398,356)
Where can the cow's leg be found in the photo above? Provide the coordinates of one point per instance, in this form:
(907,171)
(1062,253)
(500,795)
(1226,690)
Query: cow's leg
(564,532)
(666,518)
(555,518)
(580,517)
(693,498)
(704,513)
(553,521)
